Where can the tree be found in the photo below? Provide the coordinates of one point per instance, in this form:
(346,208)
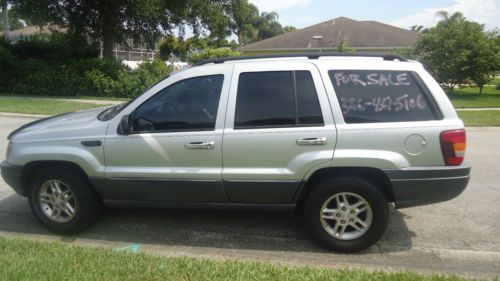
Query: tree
(113,21)
(417,28)
(250,26)
(243,18)
(289,28)
(268,26)
(212,53)
(13,19)
(455,49)
(485,59)
(170,45)
(211,42)
(5,18)
(343,48)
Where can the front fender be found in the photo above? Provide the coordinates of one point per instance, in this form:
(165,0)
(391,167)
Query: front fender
(90,159)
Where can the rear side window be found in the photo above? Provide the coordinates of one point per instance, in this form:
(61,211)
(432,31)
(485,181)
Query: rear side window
(277,99)
(368,96)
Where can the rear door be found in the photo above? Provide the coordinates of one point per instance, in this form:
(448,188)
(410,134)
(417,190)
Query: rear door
(279,125)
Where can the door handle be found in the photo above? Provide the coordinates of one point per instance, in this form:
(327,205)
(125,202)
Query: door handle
(200,145)
(312,141)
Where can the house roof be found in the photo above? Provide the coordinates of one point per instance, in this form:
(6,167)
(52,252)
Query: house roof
(328,34)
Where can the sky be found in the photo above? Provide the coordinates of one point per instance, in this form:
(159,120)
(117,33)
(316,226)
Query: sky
(303,13)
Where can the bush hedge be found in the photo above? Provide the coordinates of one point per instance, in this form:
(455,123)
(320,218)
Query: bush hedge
(127,83)
(213,53)
(58,65)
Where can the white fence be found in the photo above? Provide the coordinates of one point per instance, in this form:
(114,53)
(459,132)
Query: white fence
(134,55)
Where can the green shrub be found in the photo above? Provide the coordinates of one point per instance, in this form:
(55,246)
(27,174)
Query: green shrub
(52,78)
(56,46)
(213,53)
(150,72)
(7,63)
(85,77)
(129,83)
(51,66)
(105,86)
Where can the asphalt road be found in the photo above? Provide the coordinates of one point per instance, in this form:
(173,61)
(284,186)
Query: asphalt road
(460,236)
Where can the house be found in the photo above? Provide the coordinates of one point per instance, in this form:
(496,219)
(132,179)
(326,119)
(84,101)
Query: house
(361,36)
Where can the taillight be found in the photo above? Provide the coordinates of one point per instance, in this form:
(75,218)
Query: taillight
(453,146)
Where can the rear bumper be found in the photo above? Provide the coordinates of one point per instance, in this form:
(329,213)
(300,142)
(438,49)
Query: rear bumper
(427,185)
(12,176)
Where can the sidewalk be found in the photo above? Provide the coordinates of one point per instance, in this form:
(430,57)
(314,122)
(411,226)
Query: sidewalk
(104,102)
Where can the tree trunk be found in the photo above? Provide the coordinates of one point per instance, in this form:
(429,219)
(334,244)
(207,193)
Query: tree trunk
(481,89)
(240,38)
(5,20)
(107,32)
(451,87)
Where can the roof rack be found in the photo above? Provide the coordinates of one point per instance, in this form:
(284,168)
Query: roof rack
(388,57)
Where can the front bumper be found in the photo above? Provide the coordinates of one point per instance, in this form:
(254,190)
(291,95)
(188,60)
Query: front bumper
(12,176)
(427,185)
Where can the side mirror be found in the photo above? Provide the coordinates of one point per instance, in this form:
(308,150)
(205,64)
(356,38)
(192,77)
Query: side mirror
(125,125)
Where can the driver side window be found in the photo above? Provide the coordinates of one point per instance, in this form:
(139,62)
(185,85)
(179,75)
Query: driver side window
(187,105)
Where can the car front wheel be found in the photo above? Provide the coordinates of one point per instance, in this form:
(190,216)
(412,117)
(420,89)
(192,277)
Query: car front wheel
(63,200)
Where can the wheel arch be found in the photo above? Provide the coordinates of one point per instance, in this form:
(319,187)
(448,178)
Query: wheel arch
(30,168)
(375,176)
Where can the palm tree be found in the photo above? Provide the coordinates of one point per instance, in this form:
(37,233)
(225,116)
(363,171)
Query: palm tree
(268,26)
(250,26)
(446,18)
(244,15)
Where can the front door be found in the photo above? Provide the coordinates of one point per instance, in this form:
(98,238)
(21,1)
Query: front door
(174,153)
(279,126)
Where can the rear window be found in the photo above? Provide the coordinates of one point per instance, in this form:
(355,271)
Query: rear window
(369,96)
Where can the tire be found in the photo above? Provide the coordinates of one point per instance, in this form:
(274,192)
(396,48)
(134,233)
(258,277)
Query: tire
(48,198)
(325,217)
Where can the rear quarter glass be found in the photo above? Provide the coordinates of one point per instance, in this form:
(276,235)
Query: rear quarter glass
(370,96)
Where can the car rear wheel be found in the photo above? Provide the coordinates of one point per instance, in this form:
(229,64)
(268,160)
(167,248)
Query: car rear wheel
(346,214)
(63,200)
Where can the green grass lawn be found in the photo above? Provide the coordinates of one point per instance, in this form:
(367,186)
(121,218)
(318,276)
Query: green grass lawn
(41,105)
(470,97)
(30,260)
(484,118)
(475,100)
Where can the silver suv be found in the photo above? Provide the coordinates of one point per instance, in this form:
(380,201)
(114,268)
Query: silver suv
(340,136)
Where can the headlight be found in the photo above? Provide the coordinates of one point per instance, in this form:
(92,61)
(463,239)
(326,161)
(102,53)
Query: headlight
(9,149)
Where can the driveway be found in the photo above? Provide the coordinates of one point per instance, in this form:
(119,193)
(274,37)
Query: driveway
(460,236)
